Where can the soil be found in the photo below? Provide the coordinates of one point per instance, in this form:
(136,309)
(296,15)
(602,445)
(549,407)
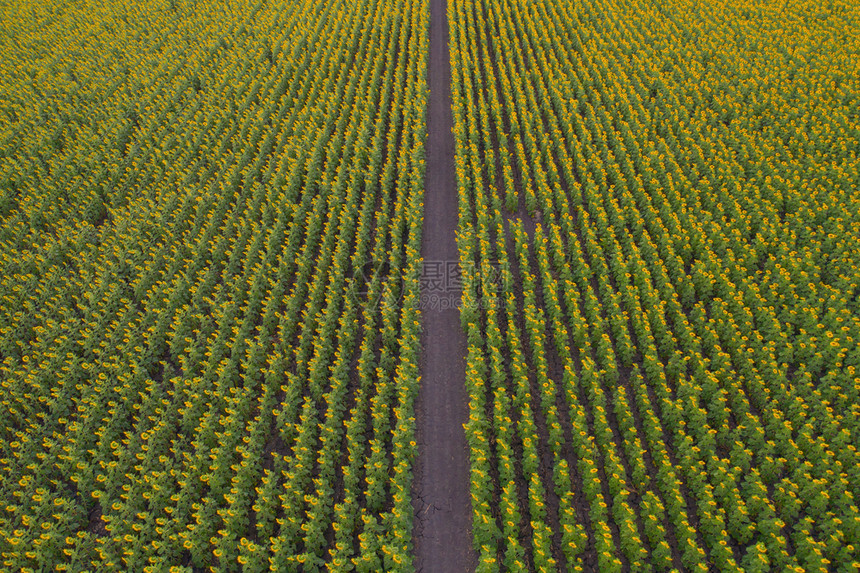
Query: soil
(440,495)
(96,525)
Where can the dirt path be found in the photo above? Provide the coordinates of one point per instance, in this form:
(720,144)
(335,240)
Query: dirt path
(440,496)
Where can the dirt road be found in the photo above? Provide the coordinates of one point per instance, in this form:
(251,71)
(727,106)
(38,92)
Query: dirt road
(443,511)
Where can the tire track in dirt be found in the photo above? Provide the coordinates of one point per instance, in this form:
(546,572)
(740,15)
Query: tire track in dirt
(442,530)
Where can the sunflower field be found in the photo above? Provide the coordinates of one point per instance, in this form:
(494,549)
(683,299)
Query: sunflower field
(659,219)
(210,222)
